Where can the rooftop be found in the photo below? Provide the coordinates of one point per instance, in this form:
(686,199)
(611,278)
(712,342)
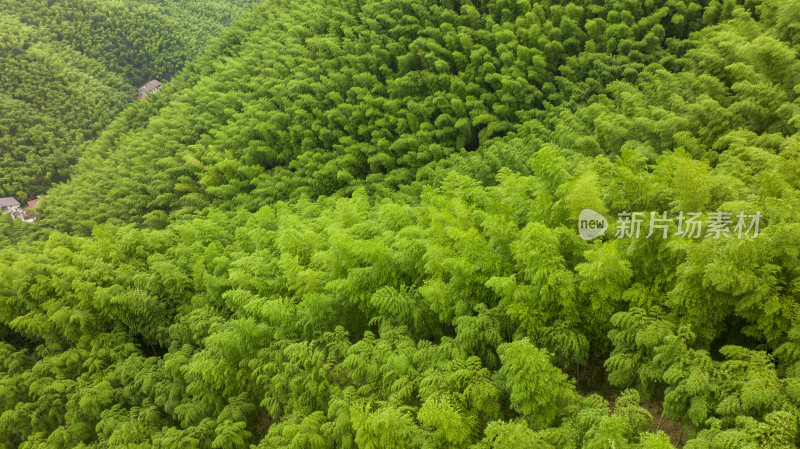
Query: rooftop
(8,201)
(150,86)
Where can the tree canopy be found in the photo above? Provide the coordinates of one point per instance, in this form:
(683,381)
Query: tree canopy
(68,68)
(353,224)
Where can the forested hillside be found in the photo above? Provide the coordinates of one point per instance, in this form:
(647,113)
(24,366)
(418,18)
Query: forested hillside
(68,68)
(353,224)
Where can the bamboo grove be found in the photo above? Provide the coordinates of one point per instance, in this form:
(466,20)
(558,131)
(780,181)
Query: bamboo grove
(68,68)
(352,224)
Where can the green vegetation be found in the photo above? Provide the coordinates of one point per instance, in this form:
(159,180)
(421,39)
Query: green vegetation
(68,68)
(353,225)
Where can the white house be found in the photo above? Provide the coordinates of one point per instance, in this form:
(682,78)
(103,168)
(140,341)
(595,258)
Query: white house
(12,206)
(150,87)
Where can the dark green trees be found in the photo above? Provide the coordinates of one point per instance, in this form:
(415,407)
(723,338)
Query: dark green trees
(69,68)
(352,225)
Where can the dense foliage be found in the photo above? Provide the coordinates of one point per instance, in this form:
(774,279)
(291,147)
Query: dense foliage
(68,68)
(352,225)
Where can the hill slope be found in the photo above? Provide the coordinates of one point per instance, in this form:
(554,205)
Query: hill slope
(68,68)
(353,225)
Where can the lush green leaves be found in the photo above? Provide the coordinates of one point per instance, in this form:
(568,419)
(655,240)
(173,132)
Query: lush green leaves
(352,225)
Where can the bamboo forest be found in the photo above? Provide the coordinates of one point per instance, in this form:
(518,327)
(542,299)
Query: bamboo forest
(400,224)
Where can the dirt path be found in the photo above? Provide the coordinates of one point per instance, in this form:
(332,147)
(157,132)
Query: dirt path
(671,428)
